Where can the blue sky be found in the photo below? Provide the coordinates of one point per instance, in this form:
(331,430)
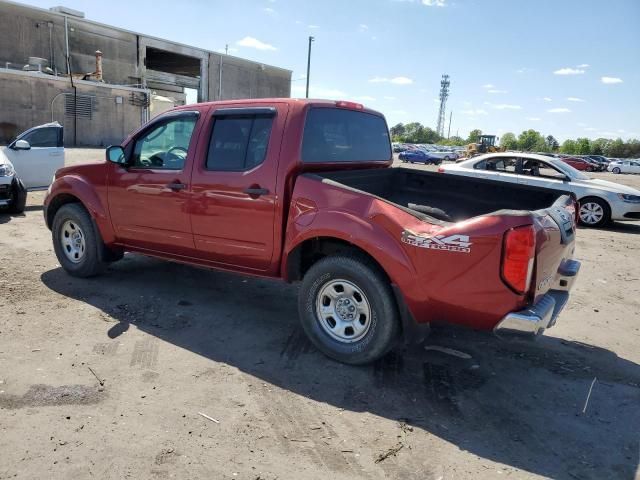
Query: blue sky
(564,67)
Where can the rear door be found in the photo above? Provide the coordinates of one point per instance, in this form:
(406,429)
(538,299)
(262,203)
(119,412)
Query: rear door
(148,198)
(36,166)
(233,208)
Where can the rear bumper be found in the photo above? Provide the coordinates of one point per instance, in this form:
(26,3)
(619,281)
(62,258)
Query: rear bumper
(533,320)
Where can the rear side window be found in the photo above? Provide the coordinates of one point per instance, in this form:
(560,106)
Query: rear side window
(338,135)
(239,143)
(43,137)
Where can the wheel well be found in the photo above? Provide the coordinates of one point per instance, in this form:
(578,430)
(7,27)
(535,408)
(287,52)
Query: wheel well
(57,202)
(302,257)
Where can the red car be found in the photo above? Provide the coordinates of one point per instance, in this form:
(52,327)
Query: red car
(303,190)
(578,163)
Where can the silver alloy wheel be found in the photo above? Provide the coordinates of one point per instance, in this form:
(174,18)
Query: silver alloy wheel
(616,170)
(72,241)
(591,213)
(343,311)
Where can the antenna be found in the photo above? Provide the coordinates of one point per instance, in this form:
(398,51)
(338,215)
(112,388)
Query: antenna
(444,94)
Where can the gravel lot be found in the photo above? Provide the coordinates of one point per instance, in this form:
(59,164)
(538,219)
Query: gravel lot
(108,377)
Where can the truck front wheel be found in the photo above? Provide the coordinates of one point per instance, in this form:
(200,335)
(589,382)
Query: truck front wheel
(77,242)
(348,310)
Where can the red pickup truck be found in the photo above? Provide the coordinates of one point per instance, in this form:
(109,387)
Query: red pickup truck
(304,190)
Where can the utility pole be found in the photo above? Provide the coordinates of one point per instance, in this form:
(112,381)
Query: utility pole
(444,94)
(449,132)
(226,49)
(311,39)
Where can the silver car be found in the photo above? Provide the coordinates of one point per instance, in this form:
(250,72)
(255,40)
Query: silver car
(600,201)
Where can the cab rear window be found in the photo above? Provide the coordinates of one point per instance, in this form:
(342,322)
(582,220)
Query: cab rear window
(339,135)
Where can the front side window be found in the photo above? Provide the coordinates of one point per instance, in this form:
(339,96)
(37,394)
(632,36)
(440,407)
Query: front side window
(165,146)
(239,143)
(42,137)
(339,135)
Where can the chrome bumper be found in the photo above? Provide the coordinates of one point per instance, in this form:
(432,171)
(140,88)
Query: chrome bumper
(533,320)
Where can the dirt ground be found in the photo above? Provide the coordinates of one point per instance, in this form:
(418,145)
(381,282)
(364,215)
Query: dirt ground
(108,378)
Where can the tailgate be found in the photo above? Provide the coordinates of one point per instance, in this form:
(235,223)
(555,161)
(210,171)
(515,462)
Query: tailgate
(555,242)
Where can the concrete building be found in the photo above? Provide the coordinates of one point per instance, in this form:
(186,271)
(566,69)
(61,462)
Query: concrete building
(101,82)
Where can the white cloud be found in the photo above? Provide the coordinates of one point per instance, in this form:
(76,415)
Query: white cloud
(394,80)
(524,70)
(269,10)
(435,3)
(575,99)
(489,85)
(493,90)
(558,110)
(503,106)
(251,42)
(313,27)
(363,28)
(475,112)
(298,22)
(581,124)
(534,119)
(569,71)
(547,99)
(583,65)
(610,80)
(298,91)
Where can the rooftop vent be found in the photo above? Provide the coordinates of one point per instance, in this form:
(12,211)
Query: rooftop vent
(68,11)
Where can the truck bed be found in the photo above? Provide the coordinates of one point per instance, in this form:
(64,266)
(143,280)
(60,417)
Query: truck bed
(459,198)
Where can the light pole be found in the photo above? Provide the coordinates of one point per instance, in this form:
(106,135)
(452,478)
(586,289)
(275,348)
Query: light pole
(311,39)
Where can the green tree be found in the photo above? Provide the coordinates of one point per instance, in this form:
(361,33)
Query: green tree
(509,141)
(552,143)
(583,146)
(397,131)
(569,146)
(530,140)
(473,136)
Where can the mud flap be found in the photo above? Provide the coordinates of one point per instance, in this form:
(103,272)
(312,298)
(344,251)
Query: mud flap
(18,196)
(413,333)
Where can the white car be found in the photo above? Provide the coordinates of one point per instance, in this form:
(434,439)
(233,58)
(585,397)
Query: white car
(600,201)
(28,163)
(624,166)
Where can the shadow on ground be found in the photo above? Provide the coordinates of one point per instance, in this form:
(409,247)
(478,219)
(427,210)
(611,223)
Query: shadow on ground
(519,404)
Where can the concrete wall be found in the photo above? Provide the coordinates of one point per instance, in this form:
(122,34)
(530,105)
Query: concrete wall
(28,99)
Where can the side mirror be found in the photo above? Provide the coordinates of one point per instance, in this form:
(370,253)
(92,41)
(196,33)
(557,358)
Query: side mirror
(567,178)
(22,145)
(115,154)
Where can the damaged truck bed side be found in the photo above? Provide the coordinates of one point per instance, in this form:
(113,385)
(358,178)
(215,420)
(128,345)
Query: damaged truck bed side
(303,190)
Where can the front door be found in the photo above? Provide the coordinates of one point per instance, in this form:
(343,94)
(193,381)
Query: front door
(36,166)
(234,186)
(148,198)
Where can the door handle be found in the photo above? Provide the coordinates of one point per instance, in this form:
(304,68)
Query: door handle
(176,186)
(256,191)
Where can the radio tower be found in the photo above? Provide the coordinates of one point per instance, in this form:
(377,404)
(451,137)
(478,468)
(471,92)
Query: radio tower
(444,94)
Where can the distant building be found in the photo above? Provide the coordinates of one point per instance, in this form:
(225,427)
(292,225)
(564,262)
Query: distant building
(101,82)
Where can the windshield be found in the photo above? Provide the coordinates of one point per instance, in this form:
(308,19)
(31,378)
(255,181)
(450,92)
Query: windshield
(340,135)
(568,170)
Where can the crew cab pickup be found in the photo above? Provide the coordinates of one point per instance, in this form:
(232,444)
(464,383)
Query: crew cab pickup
(304,190)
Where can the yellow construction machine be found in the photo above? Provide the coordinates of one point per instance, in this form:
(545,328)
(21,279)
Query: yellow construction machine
(485,144)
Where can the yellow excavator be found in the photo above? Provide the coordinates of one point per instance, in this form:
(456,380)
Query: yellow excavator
(485,144)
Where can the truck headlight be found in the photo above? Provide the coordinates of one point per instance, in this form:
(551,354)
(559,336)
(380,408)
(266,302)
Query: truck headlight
(6,170)
(629,198)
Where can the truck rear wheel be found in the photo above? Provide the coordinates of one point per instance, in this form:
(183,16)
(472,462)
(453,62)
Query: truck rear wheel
(348,310)
(77,242)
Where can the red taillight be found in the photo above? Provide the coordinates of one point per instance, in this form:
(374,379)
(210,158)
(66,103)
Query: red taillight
(352,105)
(440,170)
(518,257)
(573,210)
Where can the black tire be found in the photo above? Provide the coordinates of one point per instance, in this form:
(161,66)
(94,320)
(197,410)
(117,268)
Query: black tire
(92,261)
(606,217)
(18,197)
(616,170)
(384,326)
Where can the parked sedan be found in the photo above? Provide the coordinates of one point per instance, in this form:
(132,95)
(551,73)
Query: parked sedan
(419,156)
(624,166)
(578,163)
(600,201)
